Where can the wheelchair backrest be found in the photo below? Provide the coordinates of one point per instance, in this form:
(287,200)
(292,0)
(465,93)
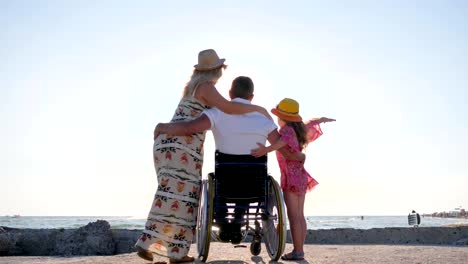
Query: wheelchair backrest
(240,176)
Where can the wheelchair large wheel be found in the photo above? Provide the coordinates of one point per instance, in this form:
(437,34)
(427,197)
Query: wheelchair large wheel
(274,222)
(205,219)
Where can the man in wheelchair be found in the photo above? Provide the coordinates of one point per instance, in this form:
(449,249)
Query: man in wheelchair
(238,180)
(233,135)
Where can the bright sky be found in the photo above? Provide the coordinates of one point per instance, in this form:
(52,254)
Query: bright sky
(83,83)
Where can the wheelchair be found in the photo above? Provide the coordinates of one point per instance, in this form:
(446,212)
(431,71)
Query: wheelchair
(241,183)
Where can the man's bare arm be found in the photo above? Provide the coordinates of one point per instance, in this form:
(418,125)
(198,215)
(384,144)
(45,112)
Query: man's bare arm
(183,128)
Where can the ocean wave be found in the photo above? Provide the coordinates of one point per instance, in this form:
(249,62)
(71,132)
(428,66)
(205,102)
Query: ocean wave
(313,222)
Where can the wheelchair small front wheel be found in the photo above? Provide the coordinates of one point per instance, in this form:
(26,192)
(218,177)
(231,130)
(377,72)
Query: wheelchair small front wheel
(255,248)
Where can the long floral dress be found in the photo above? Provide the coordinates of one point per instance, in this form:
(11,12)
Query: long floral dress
(294,177)
(178,160)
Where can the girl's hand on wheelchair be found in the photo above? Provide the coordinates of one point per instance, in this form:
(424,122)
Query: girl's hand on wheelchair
(260,151)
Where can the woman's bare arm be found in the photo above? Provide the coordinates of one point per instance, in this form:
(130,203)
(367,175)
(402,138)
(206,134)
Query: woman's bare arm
(208,94)
(183,128)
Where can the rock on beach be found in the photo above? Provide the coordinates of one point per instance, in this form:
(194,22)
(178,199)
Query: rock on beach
(98,239)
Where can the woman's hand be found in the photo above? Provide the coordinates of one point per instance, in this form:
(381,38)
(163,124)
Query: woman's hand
(263,111)
(158,130)
(260,151)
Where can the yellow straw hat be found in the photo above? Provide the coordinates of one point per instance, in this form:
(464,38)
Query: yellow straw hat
(208,60)
(287,109)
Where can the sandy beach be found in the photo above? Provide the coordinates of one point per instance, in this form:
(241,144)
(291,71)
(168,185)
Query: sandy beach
(97,243)
(227,253)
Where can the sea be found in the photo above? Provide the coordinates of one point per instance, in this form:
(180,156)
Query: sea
(313,222)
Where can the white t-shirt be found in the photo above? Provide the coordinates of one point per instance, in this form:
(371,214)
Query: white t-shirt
(238,134)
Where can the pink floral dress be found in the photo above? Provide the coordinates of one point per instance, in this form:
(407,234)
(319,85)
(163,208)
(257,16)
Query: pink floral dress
(294,177)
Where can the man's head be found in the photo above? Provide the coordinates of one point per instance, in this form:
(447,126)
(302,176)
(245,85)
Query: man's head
(242,87)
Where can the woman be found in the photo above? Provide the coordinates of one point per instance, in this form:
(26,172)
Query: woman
(170,227)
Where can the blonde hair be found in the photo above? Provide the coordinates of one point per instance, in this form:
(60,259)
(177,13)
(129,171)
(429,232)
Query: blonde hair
(199,77)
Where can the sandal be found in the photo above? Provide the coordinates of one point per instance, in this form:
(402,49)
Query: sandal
(144,254)
(182,260)
(293,256)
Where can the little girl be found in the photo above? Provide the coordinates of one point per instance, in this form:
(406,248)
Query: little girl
(295,180)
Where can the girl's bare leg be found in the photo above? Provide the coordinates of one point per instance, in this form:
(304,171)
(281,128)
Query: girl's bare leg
(301,202)
(297,224)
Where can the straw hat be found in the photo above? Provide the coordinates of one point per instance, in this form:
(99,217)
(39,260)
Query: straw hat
(287,109)
(208,60)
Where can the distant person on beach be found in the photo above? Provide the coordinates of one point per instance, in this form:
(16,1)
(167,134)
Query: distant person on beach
(170,227)
(414,219)
(295,180)
(233,134)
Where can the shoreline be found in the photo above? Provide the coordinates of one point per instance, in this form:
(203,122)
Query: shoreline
(313,222)
(97,238)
